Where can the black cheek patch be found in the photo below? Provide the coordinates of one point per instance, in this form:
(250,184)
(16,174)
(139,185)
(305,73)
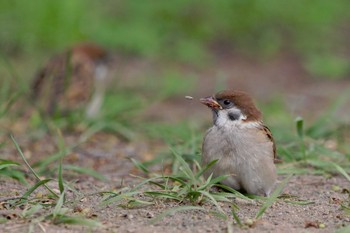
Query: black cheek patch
(233,116)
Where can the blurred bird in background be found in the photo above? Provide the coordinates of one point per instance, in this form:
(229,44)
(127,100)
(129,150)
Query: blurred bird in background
(76,78)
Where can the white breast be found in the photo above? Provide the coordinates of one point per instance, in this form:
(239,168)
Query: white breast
(243,154)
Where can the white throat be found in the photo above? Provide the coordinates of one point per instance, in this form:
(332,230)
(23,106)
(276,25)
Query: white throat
(232,118)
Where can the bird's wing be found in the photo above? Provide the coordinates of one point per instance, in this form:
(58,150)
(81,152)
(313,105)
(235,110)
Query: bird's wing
(48,84)
(268,134)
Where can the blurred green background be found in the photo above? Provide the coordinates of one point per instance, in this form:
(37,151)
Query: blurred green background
(317,32)
(292,56)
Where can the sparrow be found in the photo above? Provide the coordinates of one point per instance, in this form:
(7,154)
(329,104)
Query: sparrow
(242,145)
(74,78)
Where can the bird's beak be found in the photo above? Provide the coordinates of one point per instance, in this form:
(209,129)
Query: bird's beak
(210,102)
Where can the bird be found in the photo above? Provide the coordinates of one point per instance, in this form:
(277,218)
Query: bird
(240,142)
(74,78)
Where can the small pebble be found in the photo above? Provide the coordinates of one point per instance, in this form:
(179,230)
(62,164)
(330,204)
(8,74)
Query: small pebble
(86,211)
(249,222)
(149,215)
(336,188)
(39,195)
(189,97)
(128,216)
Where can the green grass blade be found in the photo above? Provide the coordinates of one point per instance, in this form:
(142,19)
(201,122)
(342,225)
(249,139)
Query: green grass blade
(60,140)
(119,197)
(218,179)
(173,178)
(28,212)
(209,165)
(210,182)
(60,178)
(136,203)
(162,195)
(235,192)
(300,125)
(185,167)
(34,187)
(213,200)
(224,195)
(43,164)
(30,168)
(158,184)
(58,207)
(342,171)
(179,179)
(23,157)
(207,182)
(14,174)
(63,219)
(299,202)
(7,163)
(139,165)
(234,208)
(145,182)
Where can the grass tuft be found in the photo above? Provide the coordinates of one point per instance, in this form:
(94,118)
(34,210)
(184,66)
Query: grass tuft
(30,168)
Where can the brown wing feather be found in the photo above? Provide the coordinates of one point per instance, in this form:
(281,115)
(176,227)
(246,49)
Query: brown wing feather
(269,136)
(47,84)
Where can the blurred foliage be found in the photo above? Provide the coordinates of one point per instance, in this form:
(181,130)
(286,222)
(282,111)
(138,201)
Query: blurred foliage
(184,30)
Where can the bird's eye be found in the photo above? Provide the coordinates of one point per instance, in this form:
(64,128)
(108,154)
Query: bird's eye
(227,102)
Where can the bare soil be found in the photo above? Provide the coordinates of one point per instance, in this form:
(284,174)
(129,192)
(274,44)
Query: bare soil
(109,155)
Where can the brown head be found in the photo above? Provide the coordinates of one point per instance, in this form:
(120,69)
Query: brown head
(90,50)
(235,105)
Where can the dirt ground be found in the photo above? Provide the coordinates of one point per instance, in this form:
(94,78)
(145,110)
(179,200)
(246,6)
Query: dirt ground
(283,76)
